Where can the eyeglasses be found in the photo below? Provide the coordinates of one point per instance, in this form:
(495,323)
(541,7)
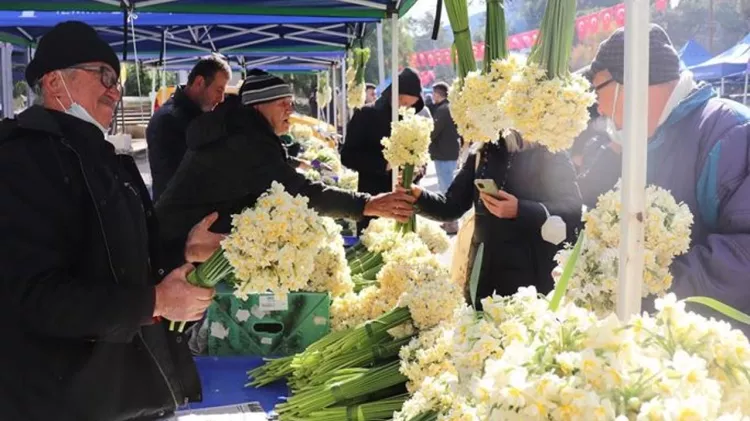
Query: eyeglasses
(603,85)
(108,77)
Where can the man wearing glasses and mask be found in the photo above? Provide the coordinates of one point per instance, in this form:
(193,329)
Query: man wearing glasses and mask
(699,150)
(79,255)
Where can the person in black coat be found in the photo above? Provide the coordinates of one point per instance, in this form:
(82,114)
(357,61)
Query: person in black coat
(80,255)
(532,181)
(235,153)
(165,133)
(362,150)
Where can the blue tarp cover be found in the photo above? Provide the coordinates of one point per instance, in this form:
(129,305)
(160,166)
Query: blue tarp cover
(693,53)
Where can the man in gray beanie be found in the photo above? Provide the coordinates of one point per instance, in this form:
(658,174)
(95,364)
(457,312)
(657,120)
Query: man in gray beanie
(83,285)
(698,149)
(235,153)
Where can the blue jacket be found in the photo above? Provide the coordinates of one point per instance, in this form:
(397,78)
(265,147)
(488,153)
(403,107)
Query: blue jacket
(702,155)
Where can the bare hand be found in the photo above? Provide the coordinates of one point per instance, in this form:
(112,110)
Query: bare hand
(177,299)
(504,206)
(615,147)
(416,191)
(201,242)
(396,205)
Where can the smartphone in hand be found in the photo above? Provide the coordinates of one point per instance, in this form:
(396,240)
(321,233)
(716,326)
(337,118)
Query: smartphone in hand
(487,186)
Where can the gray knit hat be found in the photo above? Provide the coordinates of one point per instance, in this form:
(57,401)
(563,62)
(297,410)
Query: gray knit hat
(664,62)
(259,87)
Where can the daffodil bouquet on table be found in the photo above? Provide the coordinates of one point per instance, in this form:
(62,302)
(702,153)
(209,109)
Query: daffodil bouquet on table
(366,258)
(667,235)
(407,148)
(355,78)
(272,247)
(361,362)
(543,101)
(522,360)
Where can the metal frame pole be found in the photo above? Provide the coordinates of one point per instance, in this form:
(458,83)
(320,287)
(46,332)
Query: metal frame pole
(6,51)
(394,82)
(634,156)
(344,105)
(381,54)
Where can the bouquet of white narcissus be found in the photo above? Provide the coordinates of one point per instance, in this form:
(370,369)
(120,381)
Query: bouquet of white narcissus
(301,132)
(331,273)
(355,78)
(475,101)
(519,360)
(544,102)
(324,93)
(272,246)
(667,235)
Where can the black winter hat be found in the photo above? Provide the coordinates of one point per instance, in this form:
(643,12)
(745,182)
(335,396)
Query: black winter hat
(68,44)
(664,61)
(408,84)
(259,87)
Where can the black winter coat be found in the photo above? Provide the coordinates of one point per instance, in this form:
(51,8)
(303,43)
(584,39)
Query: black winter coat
(165,136)
(233,158)
(445,143)
(515,254)
(77,282)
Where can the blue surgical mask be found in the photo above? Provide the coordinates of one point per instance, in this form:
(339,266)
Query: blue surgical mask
(77,111)
(615,134)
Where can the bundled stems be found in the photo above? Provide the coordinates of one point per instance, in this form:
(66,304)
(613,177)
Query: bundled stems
(458,14)
(378,410)
(552,49)
(495,38)
(207,275)
(406,181)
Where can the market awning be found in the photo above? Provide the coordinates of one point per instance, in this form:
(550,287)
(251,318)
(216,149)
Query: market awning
(377,9)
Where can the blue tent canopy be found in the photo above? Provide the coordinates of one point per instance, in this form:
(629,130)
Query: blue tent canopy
(693,53)
(732,62)
(161,33)
(378,9)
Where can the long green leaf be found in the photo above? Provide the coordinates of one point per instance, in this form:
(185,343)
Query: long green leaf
(475,272)
(562,284)
(721,308)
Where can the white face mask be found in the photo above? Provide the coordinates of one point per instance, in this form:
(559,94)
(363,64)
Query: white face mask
(76,110)
(554,229)
(615,134)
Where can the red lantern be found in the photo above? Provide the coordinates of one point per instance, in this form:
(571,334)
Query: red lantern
(661,5)
(534,36)
(582,29)
(413,60)
(481,50)
(431,60)
(593,25)
(422,59)
(475,49)
(620,15)
(526,40)
(514,43)
(606,18)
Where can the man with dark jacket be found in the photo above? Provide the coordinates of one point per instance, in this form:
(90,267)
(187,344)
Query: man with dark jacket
(235,153)
(362,150)
(165,134)
(82,338)
(445,139)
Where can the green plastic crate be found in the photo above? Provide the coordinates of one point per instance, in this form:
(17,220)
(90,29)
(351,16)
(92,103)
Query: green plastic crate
(264,326)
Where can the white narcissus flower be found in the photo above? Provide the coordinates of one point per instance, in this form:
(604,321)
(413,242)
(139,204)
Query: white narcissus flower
(409,140)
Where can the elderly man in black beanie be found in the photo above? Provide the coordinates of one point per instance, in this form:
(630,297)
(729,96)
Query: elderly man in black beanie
(235,153)
(698,150)
(80,300)
(362,150)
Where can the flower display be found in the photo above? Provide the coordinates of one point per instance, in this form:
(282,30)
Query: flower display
(331,273)
(272,246)
(667,235)
(409,140)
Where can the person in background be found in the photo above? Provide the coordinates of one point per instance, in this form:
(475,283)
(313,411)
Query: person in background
(78,289)
(698,149)
(429,103)
(445,144)
(362,150)
(165,133)
(235,154)
(371,93)
(533,185)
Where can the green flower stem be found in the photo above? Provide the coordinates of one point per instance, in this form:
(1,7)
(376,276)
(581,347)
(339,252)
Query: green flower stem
(428,416)
(407,179)
(554,45)
(372,411)
(458,14)
(207,275)
(373,261)
(495,38)
(350,387)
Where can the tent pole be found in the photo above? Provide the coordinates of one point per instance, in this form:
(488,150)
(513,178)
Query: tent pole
(381,55)
(6,78)
(722,87)
(634,156)
(744,97)
(29,89)
(335,100)
(394,82)
(344,105)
